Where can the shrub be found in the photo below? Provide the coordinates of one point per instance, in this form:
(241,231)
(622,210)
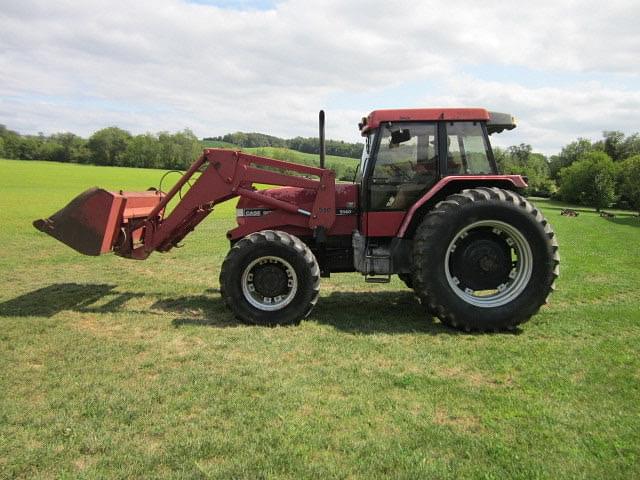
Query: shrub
(589,181)
(629,181)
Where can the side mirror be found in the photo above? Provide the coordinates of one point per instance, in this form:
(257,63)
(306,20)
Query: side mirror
(400,136)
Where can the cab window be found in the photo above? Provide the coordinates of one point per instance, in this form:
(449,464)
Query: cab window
(405,165)
(366,152)
(467,149)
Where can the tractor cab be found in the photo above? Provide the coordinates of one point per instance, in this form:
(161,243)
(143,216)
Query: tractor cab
(408,151)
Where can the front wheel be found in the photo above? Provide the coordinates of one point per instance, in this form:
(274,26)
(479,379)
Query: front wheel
(484,259)
(270,278)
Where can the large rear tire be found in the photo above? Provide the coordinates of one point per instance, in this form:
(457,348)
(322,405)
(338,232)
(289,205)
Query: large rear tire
(270,278)
(484,259)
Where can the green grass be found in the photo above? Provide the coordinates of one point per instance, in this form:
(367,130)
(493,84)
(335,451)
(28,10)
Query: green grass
(116,368)
(219,144)
(301,157)
(343,167)
(284,153)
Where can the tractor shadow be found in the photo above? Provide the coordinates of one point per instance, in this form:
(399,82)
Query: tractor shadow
(392,312)
(49,301)
(53,299)
(376,312)
(198,310)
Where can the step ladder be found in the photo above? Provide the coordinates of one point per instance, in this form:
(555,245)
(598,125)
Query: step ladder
(370,260)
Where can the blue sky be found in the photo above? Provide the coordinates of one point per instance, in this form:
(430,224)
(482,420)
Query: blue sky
(564,69)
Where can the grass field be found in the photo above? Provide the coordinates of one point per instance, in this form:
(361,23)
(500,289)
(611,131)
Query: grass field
(116,368)
(277,152)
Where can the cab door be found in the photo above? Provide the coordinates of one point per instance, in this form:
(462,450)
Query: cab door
(402,166)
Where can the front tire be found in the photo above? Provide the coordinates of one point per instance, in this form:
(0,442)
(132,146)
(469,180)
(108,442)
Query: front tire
(484,259)
(270,278)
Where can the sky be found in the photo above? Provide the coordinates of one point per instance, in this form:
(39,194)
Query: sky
(565,69)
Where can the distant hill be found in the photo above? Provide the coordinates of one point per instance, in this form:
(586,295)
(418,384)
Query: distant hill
(336,148)
(344,167)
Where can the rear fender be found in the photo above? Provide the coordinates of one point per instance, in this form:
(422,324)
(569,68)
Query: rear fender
(448,186)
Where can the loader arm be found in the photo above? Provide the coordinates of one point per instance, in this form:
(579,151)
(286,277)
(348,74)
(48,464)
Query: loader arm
(133,224)
(227,174)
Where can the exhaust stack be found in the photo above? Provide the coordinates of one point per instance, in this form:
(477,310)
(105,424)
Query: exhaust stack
(322,143)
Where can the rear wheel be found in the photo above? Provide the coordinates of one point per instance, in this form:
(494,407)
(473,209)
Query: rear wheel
(484,259)
(270,278)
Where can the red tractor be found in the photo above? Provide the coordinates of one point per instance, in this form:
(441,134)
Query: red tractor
(428,204)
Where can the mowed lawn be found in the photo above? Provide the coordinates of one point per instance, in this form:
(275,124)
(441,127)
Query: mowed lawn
(116,368)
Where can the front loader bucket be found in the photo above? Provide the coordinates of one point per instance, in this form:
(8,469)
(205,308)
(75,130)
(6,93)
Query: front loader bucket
(89,224)
(92,222)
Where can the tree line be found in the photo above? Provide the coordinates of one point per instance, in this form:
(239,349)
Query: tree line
(108,146)
(118,147)
(599,174)
(338,148)
(521,160)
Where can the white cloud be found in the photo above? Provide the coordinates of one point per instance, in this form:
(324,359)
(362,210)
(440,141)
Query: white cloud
(549,117)
(156,65)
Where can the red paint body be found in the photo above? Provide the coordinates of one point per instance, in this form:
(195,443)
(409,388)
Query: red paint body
(423,115)
(132,224)
(516,182)
(310,204)
(346,220)
(95,220)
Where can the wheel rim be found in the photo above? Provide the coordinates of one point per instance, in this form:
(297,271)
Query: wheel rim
(269,283)
(488,263)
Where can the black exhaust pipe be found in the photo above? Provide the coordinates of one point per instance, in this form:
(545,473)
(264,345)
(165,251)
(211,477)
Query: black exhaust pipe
(322,148)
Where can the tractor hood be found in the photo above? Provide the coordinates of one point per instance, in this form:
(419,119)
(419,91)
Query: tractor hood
(252,215)
(346,200)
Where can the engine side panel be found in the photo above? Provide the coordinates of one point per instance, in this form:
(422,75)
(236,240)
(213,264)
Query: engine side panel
(252,216)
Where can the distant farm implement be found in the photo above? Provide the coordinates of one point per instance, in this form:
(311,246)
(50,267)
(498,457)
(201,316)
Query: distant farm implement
(427,204)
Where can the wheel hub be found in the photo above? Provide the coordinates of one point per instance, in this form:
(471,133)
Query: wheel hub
(270,280)
(488,263)
(269,283)
(482,260)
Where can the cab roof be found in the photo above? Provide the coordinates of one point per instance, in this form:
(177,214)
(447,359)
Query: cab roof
(375,118)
